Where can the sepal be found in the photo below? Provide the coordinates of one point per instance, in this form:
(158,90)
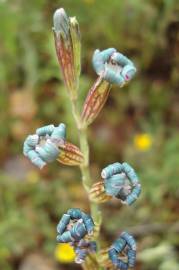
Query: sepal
(70,155)
(95,101)
(98,194)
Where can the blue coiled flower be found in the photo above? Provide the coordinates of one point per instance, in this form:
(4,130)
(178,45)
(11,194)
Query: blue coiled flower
(125,244)
(113,66)
(72,228)
(121,181)
(42,147)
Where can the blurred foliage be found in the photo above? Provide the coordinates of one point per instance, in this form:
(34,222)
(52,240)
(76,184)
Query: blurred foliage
(32,94)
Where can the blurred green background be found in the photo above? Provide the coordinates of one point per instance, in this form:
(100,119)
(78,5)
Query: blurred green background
(139,124)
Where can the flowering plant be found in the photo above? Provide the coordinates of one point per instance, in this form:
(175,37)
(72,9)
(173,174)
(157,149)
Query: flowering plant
(119,180)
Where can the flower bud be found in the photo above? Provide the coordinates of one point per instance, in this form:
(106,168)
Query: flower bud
(76,41)
(68,49)
(95,101)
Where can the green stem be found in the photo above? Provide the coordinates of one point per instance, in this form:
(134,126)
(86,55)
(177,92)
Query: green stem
(85,171)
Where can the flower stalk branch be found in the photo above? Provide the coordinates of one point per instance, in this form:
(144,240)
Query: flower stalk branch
(84,167)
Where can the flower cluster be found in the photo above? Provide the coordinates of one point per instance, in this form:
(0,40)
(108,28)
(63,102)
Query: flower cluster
(72,228)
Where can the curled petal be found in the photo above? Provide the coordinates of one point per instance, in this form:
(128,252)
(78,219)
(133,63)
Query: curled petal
(63,223)
(83,248)
(66,237)
(89,224)
(129,240)
(70,155)
(75,213)
(36,159)
(49,152)
(100,58)
(29,144)
(78,231)
(80,255)
(45,130)
(59,133)
(115,184)
(111,169)
(95,100)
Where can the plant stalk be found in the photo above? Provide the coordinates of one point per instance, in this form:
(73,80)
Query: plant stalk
(84,168)
(85,171)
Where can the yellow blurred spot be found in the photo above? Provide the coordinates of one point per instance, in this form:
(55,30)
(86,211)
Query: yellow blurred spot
(64,253)
(143,141)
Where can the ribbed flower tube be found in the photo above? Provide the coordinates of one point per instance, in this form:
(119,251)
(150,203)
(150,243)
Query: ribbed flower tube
(68,49)
(70,155)
(95,101)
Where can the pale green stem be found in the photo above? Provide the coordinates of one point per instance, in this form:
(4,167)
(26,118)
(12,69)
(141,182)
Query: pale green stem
(85,171)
